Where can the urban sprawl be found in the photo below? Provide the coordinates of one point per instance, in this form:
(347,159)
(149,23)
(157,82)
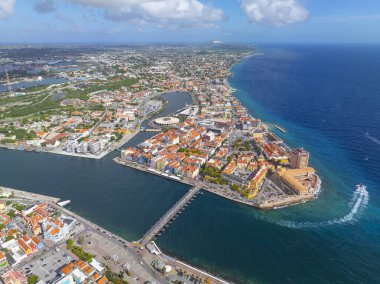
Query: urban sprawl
(89,101)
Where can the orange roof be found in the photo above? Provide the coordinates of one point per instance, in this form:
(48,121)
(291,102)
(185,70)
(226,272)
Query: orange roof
(55,231)
(81,264)
(88,270)
(230,168)
(68,268)
(102,280)
(26,238)
(23,245)
(96,276)
(35,240)
(40,133)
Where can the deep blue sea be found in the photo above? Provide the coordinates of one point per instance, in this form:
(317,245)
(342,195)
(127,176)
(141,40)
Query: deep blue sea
(328,98)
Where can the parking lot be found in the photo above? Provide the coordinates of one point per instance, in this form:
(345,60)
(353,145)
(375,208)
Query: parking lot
(46,266)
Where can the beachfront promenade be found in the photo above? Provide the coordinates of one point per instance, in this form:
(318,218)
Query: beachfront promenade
(164,220)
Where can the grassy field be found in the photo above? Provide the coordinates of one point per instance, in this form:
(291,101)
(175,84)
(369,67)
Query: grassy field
(41,103)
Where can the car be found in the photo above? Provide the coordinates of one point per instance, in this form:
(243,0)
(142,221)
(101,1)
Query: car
(141,262)
(43,265)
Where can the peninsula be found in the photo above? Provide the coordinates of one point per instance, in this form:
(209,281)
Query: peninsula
(217,145)
(108,95)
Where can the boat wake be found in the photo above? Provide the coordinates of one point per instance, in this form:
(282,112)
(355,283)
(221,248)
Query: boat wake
(358,203)
(373,139)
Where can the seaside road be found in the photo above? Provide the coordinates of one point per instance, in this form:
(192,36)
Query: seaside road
(143,271)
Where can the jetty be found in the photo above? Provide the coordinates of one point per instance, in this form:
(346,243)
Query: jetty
(164,220)
(280,128)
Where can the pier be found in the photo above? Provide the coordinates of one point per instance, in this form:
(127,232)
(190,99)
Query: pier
(64,203)
(280,128)
(164,220)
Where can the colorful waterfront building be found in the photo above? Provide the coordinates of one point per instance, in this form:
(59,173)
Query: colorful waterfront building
(56,229)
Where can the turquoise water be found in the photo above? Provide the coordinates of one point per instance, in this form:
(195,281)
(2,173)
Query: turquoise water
(328,98)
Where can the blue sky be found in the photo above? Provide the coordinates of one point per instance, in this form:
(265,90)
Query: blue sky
(309,21)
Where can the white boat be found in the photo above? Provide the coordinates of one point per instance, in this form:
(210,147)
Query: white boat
(361,187)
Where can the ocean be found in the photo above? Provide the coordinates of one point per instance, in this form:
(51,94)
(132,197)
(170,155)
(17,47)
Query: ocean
(328,99)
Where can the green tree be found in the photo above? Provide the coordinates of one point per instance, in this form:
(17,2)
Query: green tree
(8,238)
(33,279)
(19,207)
(235,187)
(70,243)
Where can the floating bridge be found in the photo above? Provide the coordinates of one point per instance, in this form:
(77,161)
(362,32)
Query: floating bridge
(164,220)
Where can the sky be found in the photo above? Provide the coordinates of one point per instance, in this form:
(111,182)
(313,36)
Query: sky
(193,21)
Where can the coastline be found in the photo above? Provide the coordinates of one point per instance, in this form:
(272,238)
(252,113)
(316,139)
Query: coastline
(228,193)
(250,233)
(132,248)
(111,148)
(217,190)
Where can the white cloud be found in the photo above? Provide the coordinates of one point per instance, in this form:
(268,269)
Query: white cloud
(274,12)
(161,12)
(6,7)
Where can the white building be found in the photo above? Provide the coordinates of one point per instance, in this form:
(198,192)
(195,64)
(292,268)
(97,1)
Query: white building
(56,229)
